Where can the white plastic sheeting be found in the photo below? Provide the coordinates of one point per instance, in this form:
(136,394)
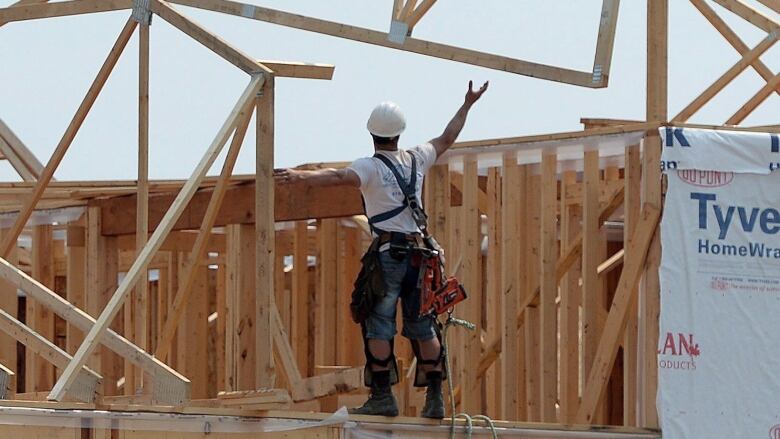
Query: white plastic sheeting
(569,151)
(719,344)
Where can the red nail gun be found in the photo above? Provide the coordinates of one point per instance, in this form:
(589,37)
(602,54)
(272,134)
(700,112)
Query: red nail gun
(437,293)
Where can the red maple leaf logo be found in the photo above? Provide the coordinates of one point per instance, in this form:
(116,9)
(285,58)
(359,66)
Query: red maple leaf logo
(694,350)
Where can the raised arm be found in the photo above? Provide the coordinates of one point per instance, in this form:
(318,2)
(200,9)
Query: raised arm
(319,177)
(451,132)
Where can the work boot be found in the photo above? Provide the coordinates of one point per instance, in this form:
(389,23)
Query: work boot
(434,400)
(381,402)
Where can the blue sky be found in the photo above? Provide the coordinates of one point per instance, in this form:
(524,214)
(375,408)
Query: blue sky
(47,65)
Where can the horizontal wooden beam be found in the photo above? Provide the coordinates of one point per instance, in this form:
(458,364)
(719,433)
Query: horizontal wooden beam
(292,202)
(370,36)
(571,135)
(301,70)
(61,9)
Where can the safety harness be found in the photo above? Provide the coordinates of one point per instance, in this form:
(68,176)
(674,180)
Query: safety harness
(437,293)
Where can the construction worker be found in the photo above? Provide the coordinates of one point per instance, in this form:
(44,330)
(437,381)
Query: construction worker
(381,179)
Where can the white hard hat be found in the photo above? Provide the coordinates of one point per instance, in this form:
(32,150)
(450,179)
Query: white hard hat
(387,120)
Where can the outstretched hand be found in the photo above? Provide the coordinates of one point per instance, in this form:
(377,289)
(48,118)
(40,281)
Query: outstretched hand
(473,96)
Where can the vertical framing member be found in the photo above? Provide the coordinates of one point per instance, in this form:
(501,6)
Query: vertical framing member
(549,289)
(649,301)
(264,235)
(511,243)
(632,204)
(471,400)
(569,309)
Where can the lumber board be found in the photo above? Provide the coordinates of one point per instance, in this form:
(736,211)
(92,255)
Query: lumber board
(319,386)
(605,42)
(265,234)
(732,38)
(470,252)
(492,316)
(750,14)
(208,39)
(510,288)
(757,99)
(549,289)
(23,3)
(16,152)
(76,242)
(378,38)
(140,297)
(9,240)
(569,308)
(415,16)
(591,243)
(240,286)
(198,249)
(260,399)
(301,70)
(40,375)
(725,79)
(656,108)
(631,211)
(84,321)
(88,382)
(300,290)
(292,202)
(625,294)
(92,338)
(60,9)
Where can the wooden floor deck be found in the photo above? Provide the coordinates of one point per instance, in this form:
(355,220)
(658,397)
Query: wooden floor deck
(34,419)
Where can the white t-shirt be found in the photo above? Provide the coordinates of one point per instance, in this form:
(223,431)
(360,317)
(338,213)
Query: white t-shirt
(380,188)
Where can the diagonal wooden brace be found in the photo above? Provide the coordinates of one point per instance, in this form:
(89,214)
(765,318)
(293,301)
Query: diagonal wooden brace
(99,329)
(87,384)
(169,386)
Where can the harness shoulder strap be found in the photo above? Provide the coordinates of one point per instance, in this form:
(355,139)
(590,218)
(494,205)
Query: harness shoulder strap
(407,188)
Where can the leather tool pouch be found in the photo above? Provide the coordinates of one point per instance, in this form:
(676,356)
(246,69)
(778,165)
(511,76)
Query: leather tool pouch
(369,285)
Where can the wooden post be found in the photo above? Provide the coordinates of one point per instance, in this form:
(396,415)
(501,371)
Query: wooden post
(140,301)
(327,265)
(471,400)
(569,309)
(549,289)
(591,284)
(300,285)
(240,286)
(40,374)
(511,243)
(649,302)
(264,230)
(632,204)
(532,318)
(76,242)
(221,345)
(193,334)
(492,315)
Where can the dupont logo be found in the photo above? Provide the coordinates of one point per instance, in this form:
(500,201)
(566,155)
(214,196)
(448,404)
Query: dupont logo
(774,432)
(705,178)
(678,351)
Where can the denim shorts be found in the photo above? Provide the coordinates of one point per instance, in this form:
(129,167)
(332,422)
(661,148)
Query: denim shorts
(401,282)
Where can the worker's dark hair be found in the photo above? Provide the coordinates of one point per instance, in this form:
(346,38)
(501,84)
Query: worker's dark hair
(384,141)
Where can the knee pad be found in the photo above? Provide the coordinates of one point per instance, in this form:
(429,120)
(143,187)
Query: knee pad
(388,362)
(420,378)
